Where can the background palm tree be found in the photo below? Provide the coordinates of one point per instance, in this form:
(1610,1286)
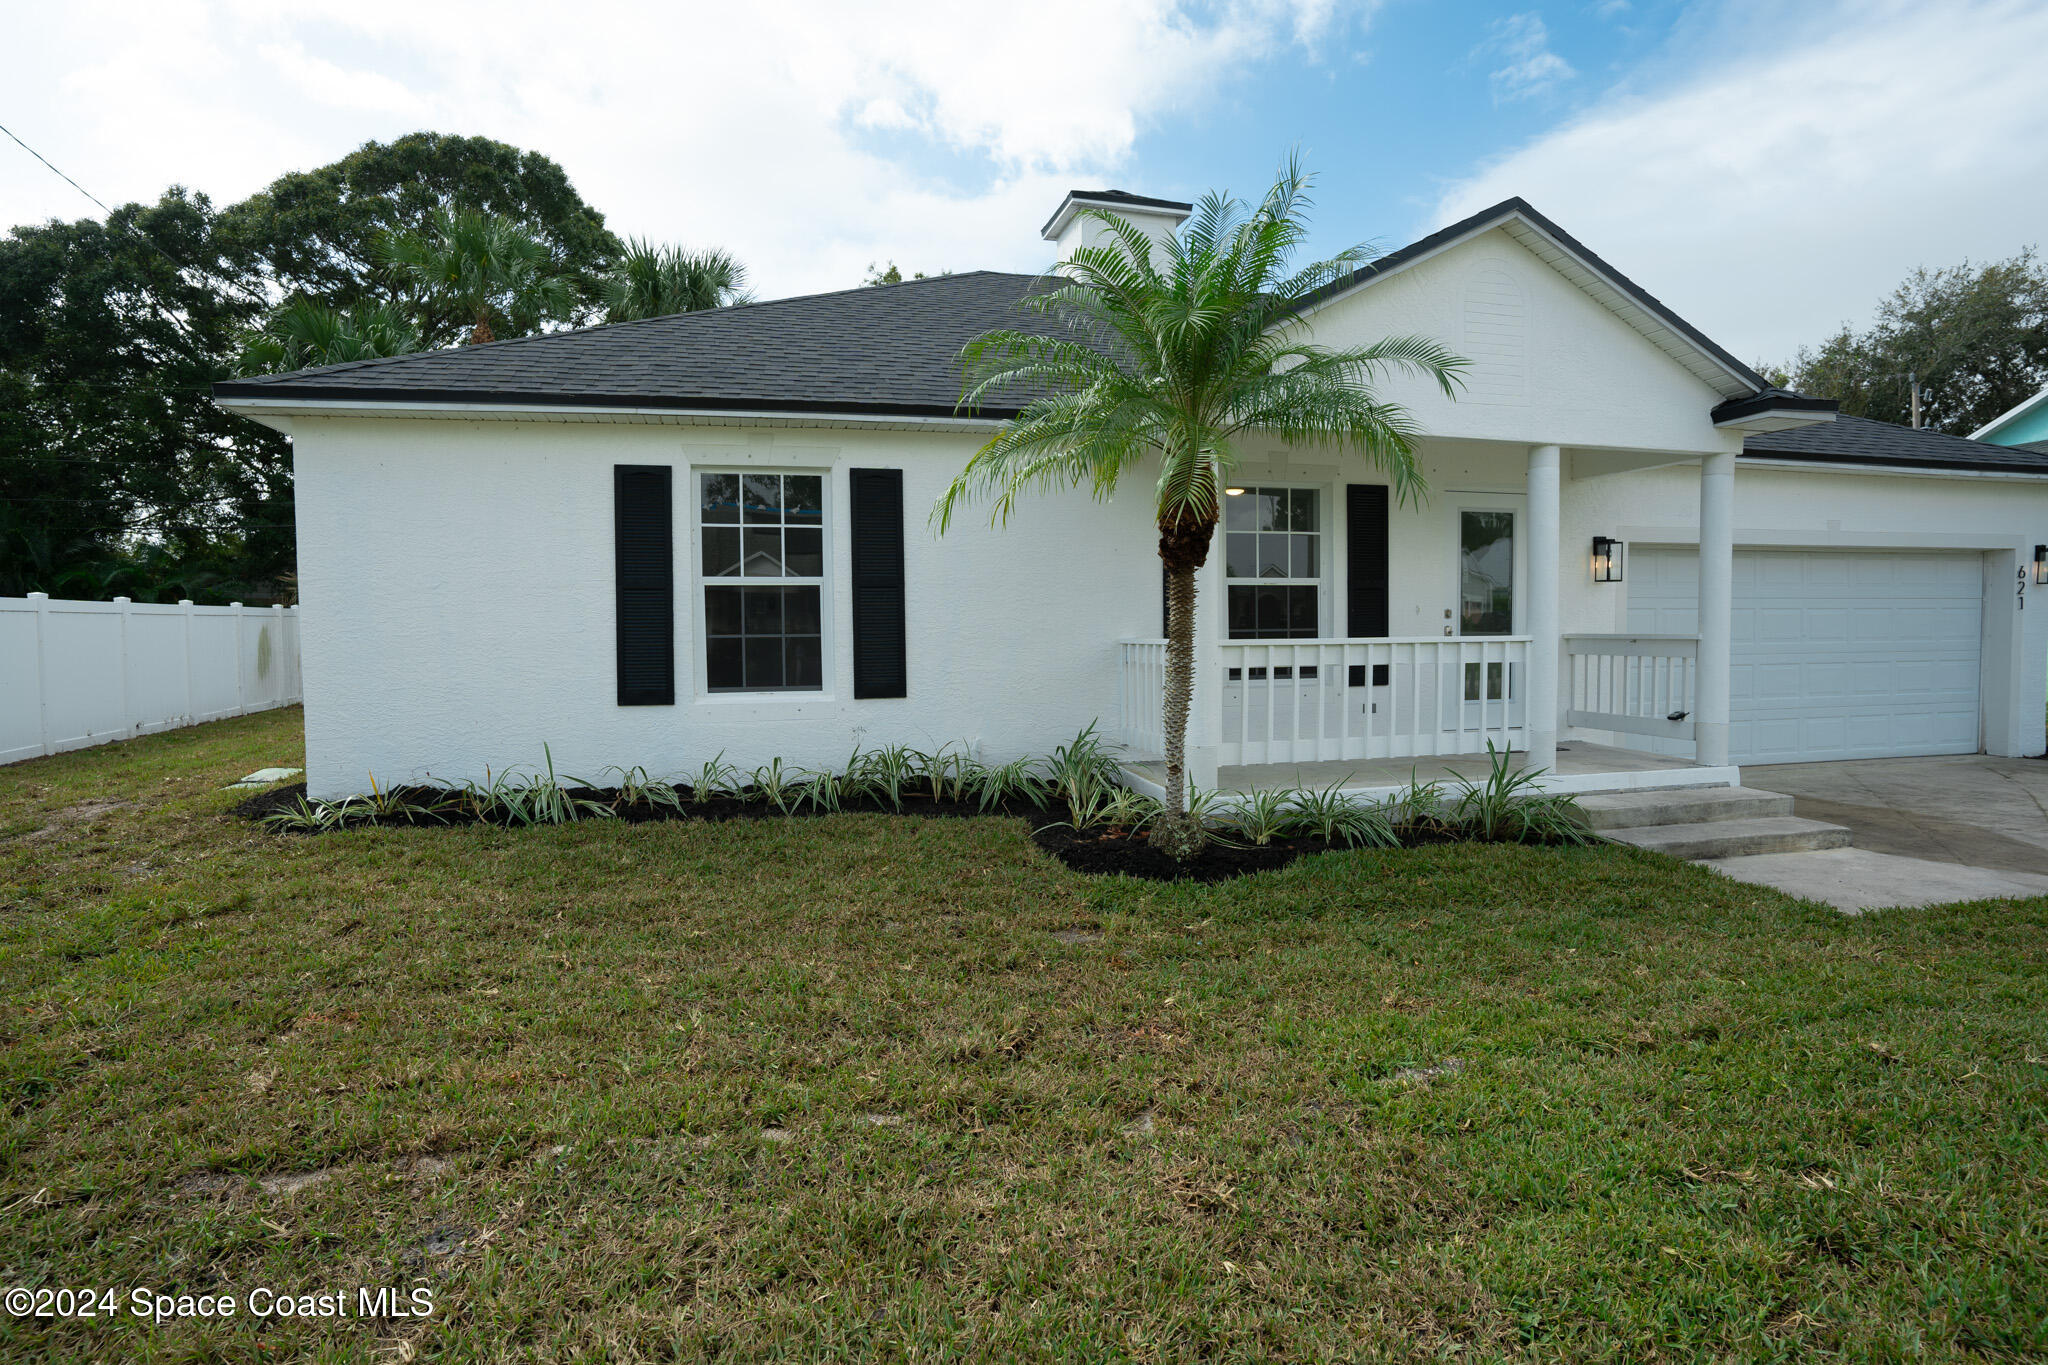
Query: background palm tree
(303,333)
(652,281)
(488,270)
(1172,353)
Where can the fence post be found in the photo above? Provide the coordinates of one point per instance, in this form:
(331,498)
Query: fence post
(277,654)
(298,666)
(42,604)
(241,687)
(127,707)
(191,703)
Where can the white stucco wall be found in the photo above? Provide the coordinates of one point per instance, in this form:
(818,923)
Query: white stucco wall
(457,579)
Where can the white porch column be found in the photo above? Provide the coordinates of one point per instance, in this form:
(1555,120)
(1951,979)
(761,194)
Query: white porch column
(1717,606)
(1205,706)
(1540,706)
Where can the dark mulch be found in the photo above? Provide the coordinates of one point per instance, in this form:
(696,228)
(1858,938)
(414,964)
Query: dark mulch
(1102,854)
(1096,854)
(1130,854)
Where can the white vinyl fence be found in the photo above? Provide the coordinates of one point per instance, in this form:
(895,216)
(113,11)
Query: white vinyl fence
(79,673)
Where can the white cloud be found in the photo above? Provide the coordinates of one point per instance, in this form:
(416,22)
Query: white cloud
(1522,43)
(1790,174)
(802,135)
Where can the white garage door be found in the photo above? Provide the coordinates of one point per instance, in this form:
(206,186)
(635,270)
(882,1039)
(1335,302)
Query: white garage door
(1838,654)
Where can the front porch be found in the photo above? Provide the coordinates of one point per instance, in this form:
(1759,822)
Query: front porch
(1374,715)
(1515,668)
(1581,767)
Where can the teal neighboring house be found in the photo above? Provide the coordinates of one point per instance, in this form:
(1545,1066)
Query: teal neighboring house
(2025,426)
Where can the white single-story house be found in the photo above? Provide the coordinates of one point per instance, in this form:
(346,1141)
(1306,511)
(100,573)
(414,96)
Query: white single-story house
(656,542)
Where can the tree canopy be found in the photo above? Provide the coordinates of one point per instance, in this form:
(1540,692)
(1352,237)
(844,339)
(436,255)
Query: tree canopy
(111,336)
(117,472)
(1976,336)
(651,281)
(319,233)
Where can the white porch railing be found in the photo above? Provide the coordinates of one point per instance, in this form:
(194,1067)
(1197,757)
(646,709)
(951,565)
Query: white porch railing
(1632,684)
(1299,701)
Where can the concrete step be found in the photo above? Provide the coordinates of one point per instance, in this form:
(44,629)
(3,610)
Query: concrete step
(1681,806)
(1734,838)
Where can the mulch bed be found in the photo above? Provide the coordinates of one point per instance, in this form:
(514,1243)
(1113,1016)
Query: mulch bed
(1103,854)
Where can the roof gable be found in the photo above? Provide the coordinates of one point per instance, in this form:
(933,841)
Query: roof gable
(2012,415)
(1564,253)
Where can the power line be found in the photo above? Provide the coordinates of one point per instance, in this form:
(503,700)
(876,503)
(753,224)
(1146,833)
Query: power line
(60,175)
(130,228)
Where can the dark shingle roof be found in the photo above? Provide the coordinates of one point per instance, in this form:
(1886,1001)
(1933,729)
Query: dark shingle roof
(1863,440)
(892,350)
(888,351)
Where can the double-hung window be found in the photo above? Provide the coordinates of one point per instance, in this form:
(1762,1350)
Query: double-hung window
(763,545)
(1273,553)
(1273,567)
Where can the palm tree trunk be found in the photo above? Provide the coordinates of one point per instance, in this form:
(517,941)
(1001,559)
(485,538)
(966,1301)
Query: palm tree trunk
(1180,683)
(481,333)
(1183,550)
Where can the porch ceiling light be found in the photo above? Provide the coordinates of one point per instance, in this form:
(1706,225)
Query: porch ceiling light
(1607,554)
(1233,492)
(2041,563)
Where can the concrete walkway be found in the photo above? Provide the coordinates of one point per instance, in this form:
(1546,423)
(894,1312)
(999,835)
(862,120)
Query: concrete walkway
(1927,831)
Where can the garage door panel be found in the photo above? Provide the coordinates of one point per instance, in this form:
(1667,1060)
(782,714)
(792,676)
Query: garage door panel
(1837,654)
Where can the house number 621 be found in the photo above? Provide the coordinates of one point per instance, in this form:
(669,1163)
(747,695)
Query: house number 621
(2021,591)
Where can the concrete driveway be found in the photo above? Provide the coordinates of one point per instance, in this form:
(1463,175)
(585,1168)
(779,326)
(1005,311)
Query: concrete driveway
(1927,830)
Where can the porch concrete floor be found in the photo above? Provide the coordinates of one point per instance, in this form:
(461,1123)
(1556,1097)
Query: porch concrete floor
(1574,759)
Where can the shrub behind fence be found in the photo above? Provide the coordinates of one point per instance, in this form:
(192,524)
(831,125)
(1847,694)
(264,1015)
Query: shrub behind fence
(74,674)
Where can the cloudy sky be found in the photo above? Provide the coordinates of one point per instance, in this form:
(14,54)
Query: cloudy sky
(1768,176)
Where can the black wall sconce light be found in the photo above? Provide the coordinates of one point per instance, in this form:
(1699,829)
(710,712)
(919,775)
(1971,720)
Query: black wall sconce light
(1607,554)
(2041,563)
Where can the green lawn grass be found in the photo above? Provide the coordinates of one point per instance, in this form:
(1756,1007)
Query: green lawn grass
(833,1089)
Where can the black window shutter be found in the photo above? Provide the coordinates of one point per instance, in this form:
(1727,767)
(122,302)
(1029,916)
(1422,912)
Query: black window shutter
(1365,514)
(643,534)
(875,518)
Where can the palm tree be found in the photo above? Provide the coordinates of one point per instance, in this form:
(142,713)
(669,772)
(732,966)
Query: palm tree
(1171,353)
(652,281)
(303,333)
(488,270)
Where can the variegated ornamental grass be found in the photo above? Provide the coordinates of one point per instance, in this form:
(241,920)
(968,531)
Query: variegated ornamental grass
(870,1087)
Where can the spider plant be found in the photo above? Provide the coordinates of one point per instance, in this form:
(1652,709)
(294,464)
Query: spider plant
(823,790)
(1334,818)
(1081,770)
(886,771)
(301,817)
(1016,780)
(1261,816)
(1110,808)
(715,779)
(635,787)
(778,786)
(1423,807)
(1509,806)
(943,772)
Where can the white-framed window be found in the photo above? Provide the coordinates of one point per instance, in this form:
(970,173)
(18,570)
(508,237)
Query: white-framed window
(1273,549)
(761,547)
